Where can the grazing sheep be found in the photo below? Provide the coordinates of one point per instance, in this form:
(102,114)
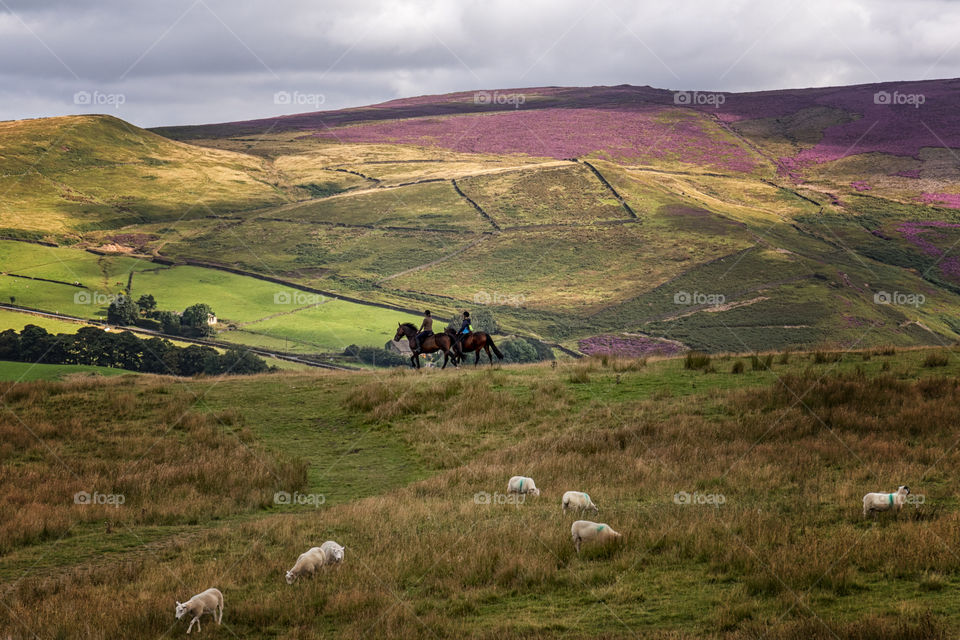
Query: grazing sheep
(586,531)
(885,501)
(522,484)
(332,551)
(308,563)
(578,500)
(210,601)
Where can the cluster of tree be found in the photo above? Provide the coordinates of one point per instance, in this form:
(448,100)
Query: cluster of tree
(124,350)
(480,319)
(143,312)
(519,349)
(377,356)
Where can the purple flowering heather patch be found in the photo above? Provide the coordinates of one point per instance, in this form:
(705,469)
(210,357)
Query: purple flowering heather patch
(638,134)
(924,236)
(860,185)
(629,346)
(951,200)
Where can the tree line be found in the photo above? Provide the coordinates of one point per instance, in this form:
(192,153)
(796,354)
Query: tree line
(124,350)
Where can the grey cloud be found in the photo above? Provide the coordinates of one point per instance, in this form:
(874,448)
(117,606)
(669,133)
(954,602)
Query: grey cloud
(193,61)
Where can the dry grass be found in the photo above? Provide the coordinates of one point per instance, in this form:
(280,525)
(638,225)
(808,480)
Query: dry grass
(786,555)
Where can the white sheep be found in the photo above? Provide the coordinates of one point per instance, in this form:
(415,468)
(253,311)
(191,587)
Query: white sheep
(308,563)
(210,601)
(332,551)
(522,484)
(578,500)
(587,531)
(885,501)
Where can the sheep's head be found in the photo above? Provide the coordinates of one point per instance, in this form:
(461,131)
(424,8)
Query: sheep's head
(594,508)
(181,609)
(290,577)
(535,492)
(904,489)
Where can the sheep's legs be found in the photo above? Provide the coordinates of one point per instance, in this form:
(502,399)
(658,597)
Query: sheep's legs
(220,616)
(197,620)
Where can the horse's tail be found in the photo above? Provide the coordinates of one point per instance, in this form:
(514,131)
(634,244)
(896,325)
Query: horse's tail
(494,347)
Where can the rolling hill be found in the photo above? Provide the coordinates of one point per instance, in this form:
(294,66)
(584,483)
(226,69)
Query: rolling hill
(590,217)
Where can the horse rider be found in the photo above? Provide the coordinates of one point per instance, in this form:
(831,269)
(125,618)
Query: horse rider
(426,329)
(465,328)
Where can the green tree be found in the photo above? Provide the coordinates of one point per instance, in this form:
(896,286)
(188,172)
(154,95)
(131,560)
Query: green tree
(484,320)
(194,318)
(519,350)
(146,303)
(123,311)
(169,322)
(195,359)
(9,345)
(237,362)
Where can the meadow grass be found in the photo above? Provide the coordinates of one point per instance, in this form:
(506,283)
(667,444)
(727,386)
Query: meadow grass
(739,505)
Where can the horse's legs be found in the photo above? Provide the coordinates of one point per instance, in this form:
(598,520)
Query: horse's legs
(489,357)
(476,359)
(446,355)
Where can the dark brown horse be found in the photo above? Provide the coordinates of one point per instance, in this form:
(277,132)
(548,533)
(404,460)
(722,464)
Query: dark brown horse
(474,341)
(430,344)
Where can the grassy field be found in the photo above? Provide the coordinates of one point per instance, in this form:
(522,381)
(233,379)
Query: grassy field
(27,372)
(725,536)
(101,172)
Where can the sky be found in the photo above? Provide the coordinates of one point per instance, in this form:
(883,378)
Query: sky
(198,61)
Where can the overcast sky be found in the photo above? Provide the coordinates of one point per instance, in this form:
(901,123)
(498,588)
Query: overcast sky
(195,61)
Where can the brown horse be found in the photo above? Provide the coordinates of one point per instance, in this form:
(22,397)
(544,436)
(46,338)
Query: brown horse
(430,344)
(474,341)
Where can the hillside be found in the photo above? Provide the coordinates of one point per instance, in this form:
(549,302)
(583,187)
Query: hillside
(623,218)
(740,509)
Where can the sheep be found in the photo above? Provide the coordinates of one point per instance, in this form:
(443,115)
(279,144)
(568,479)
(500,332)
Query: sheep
(587,531)
(885,501)
(579,500)
(308,563)
(332,551)
(210,601)
(522,484)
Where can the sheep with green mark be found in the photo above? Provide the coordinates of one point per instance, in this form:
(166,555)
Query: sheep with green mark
(522,485)
(578,500)
(876,502)
(593,532)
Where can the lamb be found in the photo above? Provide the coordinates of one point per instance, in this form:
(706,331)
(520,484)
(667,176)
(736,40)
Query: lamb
(308,563)
(586,531)
(885,501)
(522,484)
(332,551)
(210,601)
(578,500)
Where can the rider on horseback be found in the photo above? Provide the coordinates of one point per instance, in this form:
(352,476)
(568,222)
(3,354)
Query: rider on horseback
(463,332)
(425,331)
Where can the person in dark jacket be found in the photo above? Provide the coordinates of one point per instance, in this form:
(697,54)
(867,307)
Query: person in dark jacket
(426,329)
